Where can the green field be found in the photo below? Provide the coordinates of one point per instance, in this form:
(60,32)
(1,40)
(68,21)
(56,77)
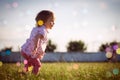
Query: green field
(64,71)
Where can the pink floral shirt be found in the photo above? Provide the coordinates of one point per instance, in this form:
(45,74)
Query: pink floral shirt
(28,46)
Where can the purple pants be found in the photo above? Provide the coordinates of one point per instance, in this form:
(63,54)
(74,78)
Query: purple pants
(35,62)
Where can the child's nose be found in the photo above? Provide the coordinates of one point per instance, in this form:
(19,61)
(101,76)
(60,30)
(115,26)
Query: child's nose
(52,23)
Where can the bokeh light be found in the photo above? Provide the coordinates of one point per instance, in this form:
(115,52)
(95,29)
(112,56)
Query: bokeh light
(1,63)
(103,5)
(108,54)
(25,61)
(115,71)
(108,49)
(75,66)
(30,68)
(115,47)
(8,52)
(118,51)
(15,4)
(108,74)
(18,64)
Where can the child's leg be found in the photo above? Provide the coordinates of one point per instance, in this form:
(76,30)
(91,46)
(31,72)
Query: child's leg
(35,70)
(27,63)
(36,66)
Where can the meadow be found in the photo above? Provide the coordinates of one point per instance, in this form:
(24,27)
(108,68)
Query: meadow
(63,71)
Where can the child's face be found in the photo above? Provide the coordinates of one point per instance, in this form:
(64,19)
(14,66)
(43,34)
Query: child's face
(49,23)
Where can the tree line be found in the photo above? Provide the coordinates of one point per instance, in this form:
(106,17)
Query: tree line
(73,46)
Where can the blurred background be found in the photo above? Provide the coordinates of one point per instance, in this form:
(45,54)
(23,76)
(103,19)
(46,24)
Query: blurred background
(94,22)
(84,31)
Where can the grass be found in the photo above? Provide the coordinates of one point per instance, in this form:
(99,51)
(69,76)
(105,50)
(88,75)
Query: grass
(64,71)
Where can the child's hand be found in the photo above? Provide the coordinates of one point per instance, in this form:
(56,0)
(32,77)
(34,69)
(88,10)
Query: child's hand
(34,51)
(40,56)
(34,55)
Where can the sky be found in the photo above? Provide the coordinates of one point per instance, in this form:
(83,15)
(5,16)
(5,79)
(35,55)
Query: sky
(92,21)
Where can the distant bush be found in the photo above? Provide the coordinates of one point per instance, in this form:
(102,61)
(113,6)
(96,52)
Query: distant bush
(76,46)
(50,47)
(103,47)
(6,49)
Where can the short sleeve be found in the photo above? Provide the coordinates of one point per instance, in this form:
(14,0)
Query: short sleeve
(41,31)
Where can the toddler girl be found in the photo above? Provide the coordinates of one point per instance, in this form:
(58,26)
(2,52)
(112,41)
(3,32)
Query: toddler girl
(33,49)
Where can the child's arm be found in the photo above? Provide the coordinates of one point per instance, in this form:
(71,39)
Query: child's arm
(40,56)
(37,37)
